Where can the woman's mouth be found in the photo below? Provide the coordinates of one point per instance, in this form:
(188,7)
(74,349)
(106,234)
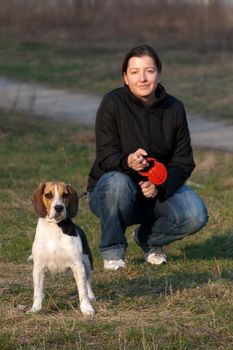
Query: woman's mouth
(144,86)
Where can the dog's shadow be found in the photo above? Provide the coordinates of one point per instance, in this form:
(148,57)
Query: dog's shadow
(153,283)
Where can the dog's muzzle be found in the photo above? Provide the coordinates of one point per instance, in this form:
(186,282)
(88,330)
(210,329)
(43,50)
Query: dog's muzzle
(58,212)
(59,208)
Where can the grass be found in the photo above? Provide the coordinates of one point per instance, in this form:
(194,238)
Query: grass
(201,79)
(186,304)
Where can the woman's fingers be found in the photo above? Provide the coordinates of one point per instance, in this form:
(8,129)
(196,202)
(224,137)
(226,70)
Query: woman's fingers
(137,160)
(149,190)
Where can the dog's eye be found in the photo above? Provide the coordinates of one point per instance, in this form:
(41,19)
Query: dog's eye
(49,195)
(65,195)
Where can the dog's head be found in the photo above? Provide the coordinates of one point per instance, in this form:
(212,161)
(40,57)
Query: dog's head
(56,200)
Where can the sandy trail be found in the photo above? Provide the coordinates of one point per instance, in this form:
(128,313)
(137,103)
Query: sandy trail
(80,108)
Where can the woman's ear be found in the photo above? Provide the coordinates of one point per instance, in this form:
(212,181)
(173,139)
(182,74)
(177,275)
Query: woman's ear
(125,78)
(72,208)
(37,201)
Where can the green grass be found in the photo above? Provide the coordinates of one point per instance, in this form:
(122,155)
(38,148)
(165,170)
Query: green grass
(186,304)
(201,79)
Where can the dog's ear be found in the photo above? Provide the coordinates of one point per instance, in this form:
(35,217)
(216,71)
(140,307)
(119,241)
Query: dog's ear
(37,201)
(72,208)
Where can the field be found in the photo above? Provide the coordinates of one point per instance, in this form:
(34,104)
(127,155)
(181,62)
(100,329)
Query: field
(184,305)
(79,45)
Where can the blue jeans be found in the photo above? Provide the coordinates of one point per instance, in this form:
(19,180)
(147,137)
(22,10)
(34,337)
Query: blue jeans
(118,202)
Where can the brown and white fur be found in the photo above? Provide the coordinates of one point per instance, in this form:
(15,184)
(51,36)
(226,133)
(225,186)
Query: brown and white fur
(59,244)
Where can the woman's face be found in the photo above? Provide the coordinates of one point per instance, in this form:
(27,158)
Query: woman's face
(142,77)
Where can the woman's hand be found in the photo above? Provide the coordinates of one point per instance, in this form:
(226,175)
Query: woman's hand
(137,161)
(148,189)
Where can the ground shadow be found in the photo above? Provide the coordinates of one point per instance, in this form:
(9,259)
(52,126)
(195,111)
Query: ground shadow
(218,246)
(157,282)
(152,287)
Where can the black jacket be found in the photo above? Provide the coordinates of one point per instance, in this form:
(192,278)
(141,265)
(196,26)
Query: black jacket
(124,124)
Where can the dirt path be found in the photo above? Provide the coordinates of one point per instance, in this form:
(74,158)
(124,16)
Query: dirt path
(43,101)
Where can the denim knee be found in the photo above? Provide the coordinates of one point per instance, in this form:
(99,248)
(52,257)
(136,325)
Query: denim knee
(196,214)
(180,215)
(114,191)
(118,185)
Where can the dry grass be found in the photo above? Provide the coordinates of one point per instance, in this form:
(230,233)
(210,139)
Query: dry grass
(160,320)
(207,164)
(228,183)
(184,305)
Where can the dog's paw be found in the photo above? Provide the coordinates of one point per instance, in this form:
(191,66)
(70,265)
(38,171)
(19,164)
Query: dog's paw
(32,310)
(86,308)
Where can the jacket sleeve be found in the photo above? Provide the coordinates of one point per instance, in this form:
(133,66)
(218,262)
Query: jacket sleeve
(108,145)
(181,164)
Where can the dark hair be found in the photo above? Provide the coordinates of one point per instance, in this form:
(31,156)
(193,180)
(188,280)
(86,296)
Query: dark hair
(139,51)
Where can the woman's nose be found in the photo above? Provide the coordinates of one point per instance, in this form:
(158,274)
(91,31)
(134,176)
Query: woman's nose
(142,76)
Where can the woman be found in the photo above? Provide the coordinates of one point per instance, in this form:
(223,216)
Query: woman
(134,122)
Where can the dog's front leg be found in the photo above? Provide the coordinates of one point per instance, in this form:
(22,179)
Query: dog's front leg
(81,282)
(38,281)
(87,266)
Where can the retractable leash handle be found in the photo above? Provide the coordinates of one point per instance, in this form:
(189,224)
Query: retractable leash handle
(156,172)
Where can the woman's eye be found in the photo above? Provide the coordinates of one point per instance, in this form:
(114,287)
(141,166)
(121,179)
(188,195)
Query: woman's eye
(49,195)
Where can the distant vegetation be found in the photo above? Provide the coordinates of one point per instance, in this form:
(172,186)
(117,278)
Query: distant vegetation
(79,45)
(198,24)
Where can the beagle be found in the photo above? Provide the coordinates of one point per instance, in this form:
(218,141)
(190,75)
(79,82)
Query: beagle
(59,244)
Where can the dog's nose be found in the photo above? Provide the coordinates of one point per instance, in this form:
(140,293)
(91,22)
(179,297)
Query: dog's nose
(58,208)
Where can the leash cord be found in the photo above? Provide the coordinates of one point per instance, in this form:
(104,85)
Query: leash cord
(82,194)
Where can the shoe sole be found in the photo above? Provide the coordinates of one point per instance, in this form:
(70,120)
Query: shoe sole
(163,260)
